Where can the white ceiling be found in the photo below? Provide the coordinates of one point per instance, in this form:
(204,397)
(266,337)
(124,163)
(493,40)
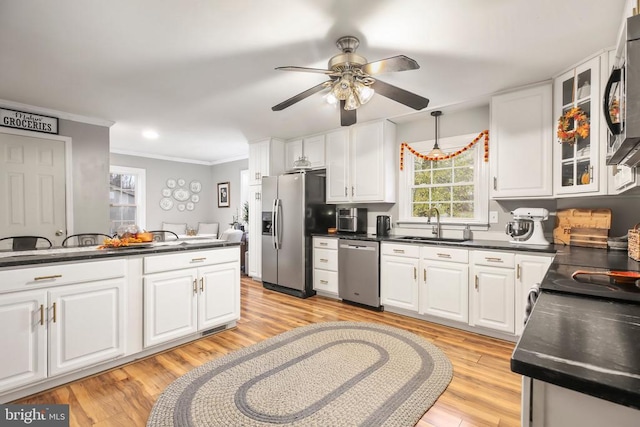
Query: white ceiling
(201,73)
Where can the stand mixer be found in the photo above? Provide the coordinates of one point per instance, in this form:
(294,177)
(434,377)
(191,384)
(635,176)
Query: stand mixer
(526,226)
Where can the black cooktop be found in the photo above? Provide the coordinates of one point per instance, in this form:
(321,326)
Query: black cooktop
(558,279)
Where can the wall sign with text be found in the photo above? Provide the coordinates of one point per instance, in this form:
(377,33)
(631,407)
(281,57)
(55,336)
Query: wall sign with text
(28,121)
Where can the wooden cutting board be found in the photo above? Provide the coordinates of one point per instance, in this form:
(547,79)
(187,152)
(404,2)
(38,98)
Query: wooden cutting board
(566,219)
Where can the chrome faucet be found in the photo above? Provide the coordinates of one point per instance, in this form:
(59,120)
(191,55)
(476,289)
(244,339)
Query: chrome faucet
(436,228)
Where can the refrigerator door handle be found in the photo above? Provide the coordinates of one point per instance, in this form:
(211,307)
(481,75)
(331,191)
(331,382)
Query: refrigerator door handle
(273,224)
(276,221)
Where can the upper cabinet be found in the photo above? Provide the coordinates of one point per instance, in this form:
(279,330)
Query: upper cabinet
(521,140)
(311,147)
(360,163)
(579,166)
(266,158)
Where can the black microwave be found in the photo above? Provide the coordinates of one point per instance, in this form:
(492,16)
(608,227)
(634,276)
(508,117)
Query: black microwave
(621,101)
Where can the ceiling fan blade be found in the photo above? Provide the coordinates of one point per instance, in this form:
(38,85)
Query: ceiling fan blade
(305,69)
(299,97)
(347,117)
(402,96)
(395,63)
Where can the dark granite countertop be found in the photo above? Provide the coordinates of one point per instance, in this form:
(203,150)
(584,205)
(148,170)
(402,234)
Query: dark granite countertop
(585,344)
(53,255)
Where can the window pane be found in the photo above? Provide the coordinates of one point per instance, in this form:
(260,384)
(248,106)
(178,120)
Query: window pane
(422,178)
(463,210)
(420,164)
(115,213)
(129,214)
(421,195)
(465,159)
(462,175)
(441,194)
(463,193)
(442,176)
(441,164)
(420,209)
(114,180)
(443,208)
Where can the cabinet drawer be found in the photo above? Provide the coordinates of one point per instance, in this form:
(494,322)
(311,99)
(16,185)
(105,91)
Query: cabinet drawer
(325,259)
(495,259)
(61,274)
(324,280)
(325,243)
(411,251)
(176,261)
(444,254)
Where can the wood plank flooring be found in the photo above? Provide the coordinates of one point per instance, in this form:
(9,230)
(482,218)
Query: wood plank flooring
(483,392)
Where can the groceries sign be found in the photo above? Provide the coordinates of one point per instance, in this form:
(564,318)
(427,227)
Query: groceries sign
(28,121)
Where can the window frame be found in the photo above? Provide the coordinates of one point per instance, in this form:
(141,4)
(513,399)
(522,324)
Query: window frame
(480,181)
(141,190)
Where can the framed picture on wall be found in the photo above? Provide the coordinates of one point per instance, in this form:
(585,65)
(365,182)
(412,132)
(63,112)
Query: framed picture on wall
(223,194)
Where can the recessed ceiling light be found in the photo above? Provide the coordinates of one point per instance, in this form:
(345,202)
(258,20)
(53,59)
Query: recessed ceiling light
(150,134)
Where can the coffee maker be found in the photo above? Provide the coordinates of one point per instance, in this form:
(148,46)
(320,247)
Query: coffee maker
(526,226)
(383,225)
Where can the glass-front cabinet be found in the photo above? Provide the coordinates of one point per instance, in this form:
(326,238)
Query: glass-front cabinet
(577,136)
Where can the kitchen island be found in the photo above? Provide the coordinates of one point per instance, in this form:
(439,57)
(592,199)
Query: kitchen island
(73,312)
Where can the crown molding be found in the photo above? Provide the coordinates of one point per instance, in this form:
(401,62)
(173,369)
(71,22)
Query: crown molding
(55,113)
(177,159)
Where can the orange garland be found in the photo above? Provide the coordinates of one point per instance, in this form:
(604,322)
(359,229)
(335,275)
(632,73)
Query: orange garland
(448,156)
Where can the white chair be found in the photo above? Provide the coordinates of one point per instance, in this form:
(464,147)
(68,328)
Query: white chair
(232,235)
(208,228)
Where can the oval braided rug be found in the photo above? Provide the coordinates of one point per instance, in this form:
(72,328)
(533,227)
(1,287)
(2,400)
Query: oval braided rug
(325,374)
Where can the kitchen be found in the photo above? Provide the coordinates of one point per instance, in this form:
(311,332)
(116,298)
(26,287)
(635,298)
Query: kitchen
(93,156)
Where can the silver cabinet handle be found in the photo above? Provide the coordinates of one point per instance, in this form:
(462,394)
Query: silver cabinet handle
(195,286)
(54,276)
(323,243)
(202,284)
(41,314)
(398,251)
(425,275)
(324,282)
(54,312)
(495,183)
(415,273)
(324,260)
(493,259)
(352,191)
(476,281)
(345,192)
(518,272)
(443,255)
(198,259)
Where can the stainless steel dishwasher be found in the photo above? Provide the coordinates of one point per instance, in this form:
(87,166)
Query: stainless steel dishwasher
(359,272)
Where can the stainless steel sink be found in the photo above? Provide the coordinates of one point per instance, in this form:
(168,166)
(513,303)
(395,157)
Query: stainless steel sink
(432,239)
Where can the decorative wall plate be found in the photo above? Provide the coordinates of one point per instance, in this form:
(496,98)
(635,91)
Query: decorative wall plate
(181,207)
(166,203)
(181,182)
(166,192)
(181,195)
(195,186)
(195,198)
(190,206)
(171,183)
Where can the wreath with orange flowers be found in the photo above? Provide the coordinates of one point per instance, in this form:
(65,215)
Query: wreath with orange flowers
(580,129)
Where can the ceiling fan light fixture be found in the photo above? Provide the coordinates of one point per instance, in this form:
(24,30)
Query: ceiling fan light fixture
(364,92)
(331,98)
(352,103)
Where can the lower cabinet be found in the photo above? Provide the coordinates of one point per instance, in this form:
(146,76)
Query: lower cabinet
(492,292)
(399,286)
(325,265)
(58,329)
(189,299)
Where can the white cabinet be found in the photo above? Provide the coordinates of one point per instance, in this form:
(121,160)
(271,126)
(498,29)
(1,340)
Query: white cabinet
(181,299)
(73,318)
(266,158)
(492,291)
(255,232)
(444,284)
(521,143)
(579,166)
(622,178)
(325,265)
(399,285)
(530,270)
(361,163)
(311,147)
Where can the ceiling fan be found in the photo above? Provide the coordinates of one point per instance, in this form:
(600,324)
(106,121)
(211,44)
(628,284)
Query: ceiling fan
(352,84)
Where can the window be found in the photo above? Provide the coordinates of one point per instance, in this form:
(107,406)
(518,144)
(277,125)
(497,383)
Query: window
(126,197)
(457,187)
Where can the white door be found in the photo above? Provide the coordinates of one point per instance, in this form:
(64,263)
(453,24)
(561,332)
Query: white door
(399,282)
(337,150)
(170,306)
(314,150)
(23,358)
(86,324)
(219,299)
(366,163)
(493,298)
(32,187)
(255,231)
(446,290)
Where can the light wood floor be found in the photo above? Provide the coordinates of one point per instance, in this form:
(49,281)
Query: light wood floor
(483,392)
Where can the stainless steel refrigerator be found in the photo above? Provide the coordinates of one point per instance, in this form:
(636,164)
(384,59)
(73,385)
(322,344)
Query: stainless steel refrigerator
(293,208)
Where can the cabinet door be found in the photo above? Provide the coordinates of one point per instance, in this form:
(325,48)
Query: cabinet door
(338,185)
(23,340)
(576,165)
(492,293)
(314,150)
(258,162)
(399,282)
(367,163)
(530,269)
(170,306)
(86,324)
(219,298)
(521,122)
(292,152)
(445,290)
(622,178)
(255,231)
